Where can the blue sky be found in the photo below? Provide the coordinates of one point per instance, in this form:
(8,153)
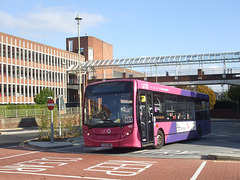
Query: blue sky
(134,27)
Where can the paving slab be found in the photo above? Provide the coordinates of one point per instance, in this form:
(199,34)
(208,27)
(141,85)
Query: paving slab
(49,145)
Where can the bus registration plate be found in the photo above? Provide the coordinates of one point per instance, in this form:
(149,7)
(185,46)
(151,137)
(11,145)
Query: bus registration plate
(106,144)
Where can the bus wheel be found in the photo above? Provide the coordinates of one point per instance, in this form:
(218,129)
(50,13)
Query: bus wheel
(199,132)
(160,139)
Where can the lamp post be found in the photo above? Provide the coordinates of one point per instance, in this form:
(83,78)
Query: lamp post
(60,106)
(59,115)
(78,19)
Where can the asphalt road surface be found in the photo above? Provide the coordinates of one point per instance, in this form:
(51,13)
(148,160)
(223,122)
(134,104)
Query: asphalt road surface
(225,138)
(15,137)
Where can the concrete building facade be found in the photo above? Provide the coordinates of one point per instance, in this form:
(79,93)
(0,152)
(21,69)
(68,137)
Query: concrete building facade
(26,67)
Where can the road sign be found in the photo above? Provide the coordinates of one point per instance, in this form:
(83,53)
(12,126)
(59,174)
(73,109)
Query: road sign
(50,104)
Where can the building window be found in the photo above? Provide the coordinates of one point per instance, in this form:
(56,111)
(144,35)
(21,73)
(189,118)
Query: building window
(90,54)
(70,45)
(82,51)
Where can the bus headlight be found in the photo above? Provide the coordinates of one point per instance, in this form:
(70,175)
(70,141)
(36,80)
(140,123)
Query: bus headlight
(88,133)
(126,133)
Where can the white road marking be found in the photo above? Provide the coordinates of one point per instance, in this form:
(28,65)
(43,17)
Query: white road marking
(56,175)
(7,157)
(32,167)
(166,152)
(37,165)
(122,168)
(199,170)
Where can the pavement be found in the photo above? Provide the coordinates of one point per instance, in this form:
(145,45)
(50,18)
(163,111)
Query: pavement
(34,143)
(49,145)
(19,130)
(73,141)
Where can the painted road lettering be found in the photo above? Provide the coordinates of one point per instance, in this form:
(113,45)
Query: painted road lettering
(38,165)
(122,168)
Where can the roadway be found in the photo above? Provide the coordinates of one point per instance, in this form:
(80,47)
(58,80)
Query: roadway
(183,160)
(12,137)
(224,139)
(20,163)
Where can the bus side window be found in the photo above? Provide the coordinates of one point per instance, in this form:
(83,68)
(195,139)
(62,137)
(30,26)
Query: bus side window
(159,107)
(181,108)
(171,106)
(202,110)
(190,110)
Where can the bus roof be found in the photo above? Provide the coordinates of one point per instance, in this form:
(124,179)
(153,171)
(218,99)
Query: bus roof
(145,85)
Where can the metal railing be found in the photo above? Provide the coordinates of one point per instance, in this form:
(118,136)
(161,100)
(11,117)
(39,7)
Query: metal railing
(34,112)
(23,113)
(72,110)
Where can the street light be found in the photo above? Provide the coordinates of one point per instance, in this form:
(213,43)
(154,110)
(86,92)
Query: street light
(78,19)
(59,114)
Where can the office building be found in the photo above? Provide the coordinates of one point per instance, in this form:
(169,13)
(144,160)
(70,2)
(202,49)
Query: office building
(26,67)
(91,48)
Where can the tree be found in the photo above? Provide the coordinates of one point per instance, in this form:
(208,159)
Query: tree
(205,90)
(234,93)
(41,98)
(224,96)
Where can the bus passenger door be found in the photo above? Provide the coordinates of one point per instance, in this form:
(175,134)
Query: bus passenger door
(146,117)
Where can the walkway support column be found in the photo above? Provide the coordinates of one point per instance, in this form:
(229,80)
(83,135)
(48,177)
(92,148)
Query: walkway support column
(200,74)
(124,75)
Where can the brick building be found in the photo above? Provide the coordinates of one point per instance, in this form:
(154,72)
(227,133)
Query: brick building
(91,48)
(26,67)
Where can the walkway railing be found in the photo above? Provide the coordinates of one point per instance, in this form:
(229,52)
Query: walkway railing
(35,112)
(157,71)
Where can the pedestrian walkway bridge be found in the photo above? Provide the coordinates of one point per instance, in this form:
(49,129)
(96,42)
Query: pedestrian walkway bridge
(167,60)
(220,68)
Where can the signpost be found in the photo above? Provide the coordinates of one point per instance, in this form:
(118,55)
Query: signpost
(50,105)
(60,103)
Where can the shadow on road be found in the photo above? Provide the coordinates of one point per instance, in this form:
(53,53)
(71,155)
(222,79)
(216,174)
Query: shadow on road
(224,134)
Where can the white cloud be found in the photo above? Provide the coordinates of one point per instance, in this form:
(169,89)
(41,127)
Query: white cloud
(48,21)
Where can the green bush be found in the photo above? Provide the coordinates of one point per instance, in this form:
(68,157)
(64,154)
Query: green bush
(69,126)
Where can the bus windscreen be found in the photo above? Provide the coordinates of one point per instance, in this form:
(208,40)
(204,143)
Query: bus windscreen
(109,104)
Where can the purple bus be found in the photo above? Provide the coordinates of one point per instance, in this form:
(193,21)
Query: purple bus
(134,113)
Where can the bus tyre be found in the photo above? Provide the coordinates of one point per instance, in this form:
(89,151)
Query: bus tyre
(199,132)
(160,139)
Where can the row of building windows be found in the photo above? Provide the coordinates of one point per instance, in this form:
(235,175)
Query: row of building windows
(23,54)
(27,91)
(32,73)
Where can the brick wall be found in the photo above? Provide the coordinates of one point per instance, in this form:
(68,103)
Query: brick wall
(101,49)
(18,122)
